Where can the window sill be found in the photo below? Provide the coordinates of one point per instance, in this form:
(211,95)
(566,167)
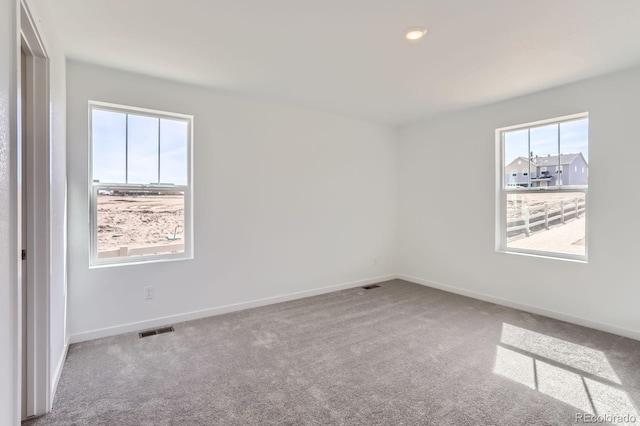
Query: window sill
(541,255)
(143,260)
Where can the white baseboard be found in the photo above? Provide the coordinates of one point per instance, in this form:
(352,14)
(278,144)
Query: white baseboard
(156,322)
(621,331)
(56,377)
(218,310)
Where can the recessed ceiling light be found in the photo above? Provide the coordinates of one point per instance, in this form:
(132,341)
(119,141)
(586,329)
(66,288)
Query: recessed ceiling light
(415,33)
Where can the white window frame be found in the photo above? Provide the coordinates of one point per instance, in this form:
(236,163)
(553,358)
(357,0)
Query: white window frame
(95,187)
(502,190)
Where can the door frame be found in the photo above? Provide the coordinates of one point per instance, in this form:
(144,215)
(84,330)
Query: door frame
(37,147)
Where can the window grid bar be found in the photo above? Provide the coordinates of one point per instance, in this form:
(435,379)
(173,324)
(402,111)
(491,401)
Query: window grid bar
(158,150)
(141,187)
(559,166)
(529,155)
(126,149)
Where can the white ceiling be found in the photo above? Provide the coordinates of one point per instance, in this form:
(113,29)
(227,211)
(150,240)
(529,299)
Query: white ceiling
(349,56)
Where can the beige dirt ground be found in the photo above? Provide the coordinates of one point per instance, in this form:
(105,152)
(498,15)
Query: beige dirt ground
(568,238)
(139,221)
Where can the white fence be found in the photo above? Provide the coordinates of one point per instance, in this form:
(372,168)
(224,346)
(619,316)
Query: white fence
(545,216)
(125,251)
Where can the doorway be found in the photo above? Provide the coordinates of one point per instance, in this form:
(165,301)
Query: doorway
(23,232)
(23,210)
(33,191)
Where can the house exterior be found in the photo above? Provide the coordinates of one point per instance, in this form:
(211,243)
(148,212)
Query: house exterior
(516,173)
(544,171)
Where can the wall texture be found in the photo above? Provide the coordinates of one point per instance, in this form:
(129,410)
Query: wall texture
(447,214)
(287,202)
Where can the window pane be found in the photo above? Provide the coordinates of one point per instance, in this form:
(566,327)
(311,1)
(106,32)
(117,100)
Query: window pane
(108,135)
(137,223)
(173,151)
(544,155)
(549,222)
(574,145)
(516,154)
(143,149)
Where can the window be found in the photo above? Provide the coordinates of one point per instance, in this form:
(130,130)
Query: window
(514,172)
(546,215)
(525,172)
(140,183)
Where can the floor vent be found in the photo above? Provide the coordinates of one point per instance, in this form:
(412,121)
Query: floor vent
(369,287)
(156,331)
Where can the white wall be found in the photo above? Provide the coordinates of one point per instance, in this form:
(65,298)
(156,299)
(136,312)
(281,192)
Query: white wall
(447,215)
(287,200)
(9,294)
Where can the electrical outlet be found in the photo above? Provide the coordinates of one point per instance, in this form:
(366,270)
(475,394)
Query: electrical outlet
(148,293)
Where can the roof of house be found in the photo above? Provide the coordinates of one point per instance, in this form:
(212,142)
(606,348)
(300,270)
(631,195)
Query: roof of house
(551,160)
(523,159)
